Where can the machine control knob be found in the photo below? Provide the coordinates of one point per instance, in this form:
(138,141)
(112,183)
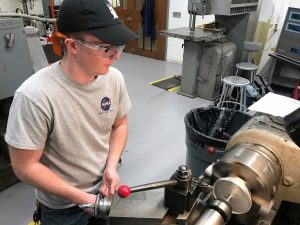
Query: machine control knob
(211,150)
(183,172)
(124,191)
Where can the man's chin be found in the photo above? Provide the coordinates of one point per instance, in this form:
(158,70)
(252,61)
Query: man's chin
(103,71)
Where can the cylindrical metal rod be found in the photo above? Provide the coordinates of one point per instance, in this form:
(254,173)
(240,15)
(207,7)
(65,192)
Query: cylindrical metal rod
(155,185)
(211,217)
(218,213)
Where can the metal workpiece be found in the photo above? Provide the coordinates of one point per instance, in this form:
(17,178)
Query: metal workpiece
(234,191)
(223,207)
(101,207)
(211,217)
(217,213)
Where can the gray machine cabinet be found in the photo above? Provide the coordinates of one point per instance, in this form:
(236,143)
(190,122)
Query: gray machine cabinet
(204,65)
(15,62)
(216,62)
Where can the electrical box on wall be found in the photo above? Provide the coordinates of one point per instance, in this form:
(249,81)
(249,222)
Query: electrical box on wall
(288,44)
(15,62)
(177,14)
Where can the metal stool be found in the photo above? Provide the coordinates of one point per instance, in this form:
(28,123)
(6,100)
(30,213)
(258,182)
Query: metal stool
(249,66)
(229,83)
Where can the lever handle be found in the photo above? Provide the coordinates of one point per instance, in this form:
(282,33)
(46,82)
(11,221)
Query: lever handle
(124,191)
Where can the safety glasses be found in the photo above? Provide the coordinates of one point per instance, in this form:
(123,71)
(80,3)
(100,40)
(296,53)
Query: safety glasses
(100,50)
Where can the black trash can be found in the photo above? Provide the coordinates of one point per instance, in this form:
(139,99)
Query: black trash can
(208,131)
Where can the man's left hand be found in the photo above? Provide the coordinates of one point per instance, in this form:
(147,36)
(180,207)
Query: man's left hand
(110,182)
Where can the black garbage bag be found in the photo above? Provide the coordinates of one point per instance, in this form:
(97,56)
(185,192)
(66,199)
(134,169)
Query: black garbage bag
(3,145)
(4,112)
(206,128)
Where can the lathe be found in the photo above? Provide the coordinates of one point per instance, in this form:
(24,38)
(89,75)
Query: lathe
(257,181)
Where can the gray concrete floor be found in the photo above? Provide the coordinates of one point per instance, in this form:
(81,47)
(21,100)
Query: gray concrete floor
(156,142)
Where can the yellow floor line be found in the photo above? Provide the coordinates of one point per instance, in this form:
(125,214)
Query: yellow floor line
(174,89)
(33,223)
(156,81)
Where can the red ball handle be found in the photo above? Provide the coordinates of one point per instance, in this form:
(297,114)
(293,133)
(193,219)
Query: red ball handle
(124,191)
(211,150)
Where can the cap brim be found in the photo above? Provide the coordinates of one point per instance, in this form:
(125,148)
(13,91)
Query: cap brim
(115,35)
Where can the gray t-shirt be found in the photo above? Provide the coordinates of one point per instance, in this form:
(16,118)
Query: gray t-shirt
(70,122)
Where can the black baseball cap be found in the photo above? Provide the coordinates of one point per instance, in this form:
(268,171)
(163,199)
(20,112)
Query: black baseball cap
(96,17)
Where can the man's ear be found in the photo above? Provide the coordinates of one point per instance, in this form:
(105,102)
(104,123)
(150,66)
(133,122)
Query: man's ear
(70,45)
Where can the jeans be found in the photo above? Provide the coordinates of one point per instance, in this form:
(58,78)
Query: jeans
(69,216)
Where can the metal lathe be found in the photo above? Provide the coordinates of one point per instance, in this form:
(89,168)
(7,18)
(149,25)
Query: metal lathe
(257,181)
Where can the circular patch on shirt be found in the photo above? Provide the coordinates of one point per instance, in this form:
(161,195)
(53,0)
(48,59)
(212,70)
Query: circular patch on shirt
(105,103)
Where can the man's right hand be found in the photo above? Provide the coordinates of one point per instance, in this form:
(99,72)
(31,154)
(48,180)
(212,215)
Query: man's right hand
(27,166)
(88,199)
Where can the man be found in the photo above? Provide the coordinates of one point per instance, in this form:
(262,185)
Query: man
(67,125)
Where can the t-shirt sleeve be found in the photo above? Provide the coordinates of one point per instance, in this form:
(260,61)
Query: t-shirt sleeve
(28,126)
(124,100)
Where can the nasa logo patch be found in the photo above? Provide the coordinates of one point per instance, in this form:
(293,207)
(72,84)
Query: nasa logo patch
(105,103)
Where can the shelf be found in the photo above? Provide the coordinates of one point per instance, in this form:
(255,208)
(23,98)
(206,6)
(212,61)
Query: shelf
(284,81)
(285,59)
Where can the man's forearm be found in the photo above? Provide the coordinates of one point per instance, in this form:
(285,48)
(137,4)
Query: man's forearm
(116,145)
(44,179)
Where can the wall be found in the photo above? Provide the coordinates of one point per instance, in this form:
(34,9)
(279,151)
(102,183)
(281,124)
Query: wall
(11,5)
(174,49)
(273,13)
(6,5)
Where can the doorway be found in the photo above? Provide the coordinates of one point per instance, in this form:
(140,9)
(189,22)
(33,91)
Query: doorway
(129,13)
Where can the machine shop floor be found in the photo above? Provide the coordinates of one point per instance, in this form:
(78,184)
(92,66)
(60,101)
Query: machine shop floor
(156,142)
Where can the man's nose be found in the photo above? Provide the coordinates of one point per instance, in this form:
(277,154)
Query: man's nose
(115,55)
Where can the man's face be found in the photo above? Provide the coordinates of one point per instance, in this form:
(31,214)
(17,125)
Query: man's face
(95,56)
